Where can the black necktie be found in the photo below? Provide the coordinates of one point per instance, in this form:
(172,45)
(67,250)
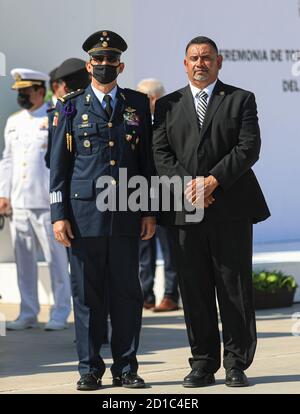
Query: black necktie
(108,108)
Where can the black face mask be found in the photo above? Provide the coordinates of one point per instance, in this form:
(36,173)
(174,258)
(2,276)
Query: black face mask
(24,101)
(105,73)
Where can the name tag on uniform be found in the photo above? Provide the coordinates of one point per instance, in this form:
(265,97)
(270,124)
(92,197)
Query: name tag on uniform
(85,126)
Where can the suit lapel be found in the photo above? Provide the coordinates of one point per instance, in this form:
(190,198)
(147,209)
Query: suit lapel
(118,113)
(189,118)
(119,104)
(215,100)
(187,103)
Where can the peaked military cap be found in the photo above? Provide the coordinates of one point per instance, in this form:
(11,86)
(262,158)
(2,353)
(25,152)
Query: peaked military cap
(25,78)
(104,42)
(69,67)
(52,75)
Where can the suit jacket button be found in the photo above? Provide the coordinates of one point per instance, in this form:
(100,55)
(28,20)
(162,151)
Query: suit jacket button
(110,125)
(112,162)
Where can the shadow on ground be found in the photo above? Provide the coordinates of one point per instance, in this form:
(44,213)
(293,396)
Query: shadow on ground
(36,351)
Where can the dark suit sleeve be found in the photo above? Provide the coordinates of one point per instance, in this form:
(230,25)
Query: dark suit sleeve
(166,162)
(60,164)
(146,163)
(243,155)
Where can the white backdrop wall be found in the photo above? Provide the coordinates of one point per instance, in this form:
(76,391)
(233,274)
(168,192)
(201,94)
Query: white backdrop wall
(164,29)
(41,34)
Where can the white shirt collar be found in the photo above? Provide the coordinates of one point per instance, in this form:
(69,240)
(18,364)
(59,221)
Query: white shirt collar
(41,111)
(100,95)
(209,89)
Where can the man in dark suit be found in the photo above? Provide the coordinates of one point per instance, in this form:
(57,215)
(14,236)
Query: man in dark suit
(99,131)
(209,131)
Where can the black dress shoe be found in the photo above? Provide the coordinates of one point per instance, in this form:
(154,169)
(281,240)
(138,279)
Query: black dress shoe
(196,378)
(89,382)
(129,380)
(236,378)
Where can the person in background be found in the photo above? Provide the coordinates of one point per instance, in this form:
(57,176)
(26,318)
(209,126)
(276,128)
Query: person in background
(70,76)
(53,85)
(154,89)
(24,188)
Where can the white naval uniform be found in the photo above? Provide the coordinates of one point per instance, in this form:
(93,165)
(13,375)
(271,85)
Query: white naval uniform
(24,179)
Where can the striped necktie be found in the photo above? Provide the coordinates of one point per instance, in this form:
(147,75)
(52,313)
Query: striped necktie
(201,106)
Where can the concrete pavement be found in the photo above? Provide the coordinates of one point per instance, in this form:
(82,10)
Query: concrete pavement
(39,362)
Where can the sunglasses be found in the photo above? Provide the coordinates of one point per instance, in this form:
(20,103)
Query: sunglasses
(109,59)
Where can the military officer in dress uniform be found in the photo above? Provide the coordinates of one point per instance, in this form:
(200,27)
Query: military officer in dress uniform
(68,77)
(24,184)
(100,130)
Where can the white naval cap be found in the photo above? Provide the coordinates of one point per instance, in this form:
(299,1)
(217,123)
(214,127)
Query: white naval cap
(24,78)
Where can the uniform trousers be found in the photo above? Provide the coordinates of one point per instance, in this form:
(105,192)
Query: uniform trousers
(31,230)
(106,269)
(148,256)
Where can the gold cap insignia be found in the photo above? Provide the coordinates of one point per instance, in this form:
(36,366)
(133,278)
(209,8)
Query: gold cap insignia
(17,77)
(105,44)
(104,34)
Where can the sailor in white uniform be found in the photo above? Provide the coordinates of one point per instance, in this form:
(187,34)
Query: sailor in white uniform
(24,190)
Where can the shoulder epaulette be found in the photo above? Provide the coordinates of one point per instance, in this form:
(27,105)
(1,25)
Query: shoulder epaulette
(71,95)
(132,92)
